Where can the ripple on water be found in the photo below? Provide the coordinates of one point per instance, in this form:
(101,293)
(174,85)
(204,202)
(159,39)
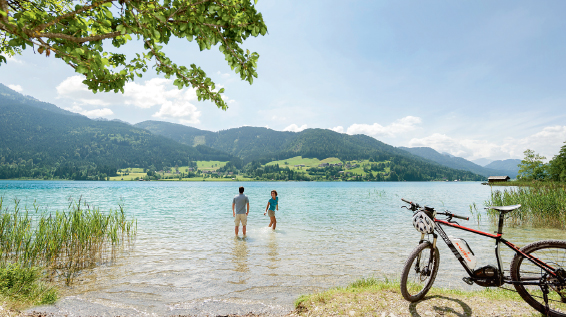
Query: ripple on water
(187,261)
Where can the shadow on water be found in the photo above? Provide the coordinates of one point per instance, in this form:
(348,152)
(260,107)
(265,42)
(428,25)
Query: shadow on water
(443,310)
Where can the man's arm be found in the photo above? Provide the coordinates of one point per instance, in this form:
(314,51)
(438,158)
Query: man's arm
(248,209)
(233,212)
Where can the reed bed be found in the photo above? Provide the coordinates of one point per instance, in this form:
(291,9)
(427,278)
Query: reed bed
(63,243)
(543,205)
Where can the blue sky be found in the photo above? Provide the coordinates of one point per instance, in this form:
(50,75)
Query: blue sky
(473,79)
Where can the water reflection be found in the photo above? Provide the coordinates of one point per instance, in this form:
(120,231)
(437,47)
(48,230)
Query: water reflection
(272,252)
(240,253)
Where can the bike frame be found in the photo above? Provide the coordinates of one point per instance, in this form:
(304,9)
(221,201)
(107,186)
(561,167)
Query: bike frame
(498,241)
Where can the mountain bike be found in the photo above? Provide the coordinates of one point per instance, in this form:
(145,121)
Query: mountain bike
(538,270)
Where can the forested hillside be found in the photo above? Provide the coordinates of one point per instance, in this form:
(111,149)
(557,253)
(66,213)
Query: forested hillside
(256,146)
(40,140)
(42,143)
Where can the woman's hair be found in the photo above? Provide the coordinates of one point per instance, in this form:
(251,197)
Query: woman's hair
(274,191)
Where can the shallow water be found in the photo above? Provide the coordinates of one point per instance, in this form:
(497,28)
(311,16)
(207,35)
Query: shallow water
(186,259)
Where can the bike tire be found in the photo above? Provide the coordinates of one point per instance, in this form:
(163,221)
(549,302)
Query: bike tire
(552,252)
(416,281)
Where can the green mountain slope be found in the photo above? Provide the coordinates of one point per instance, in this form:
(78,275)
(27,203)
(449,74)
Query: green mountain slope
(44,143)
(510,165)
(247,143)
(9,96)
(265,145)
(457,162)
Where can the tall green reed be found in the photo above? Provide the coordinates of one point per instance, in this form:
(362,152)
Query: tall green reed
(63,243)
(542,205)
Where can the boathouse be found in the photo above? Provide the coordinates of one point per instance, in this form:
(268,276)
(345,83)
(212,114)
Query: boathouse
(496,179)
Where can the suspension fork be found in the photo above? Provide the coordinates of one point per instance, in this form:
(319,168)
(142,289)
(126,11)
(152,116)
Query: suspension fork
(431,257)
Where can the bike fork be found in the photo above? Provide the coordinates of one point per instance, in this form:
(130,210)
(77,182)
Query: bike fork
(428,269)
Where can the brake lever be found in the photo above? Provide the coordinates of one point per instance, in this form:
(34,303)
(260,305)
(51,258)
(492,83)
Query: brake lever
(452,221)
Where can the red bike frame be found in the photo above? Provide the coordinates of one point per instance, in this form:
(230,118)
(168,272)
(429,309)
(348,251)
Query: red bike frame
(498,240)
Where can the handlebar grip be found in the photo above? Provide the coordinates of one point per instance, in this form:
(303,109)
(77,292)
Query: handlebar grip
(408,202)
(460,217)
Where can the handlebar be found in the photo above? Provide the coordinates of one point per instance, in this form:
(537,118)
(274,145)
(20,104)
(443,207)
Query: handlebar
(451,215)
(415,206)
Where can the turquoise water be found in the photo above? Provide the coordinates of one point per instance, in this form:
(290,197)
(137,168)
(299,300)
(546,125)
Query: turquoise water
(186,259)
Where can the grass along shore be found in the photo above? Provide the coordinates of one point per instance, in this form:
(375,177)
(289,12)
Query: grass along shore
(373,297)
(543,204)
(40,250)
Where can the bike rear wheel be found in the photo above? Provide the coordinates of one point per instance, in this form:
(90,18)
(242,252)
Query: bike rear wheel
(553,253)
(419,272)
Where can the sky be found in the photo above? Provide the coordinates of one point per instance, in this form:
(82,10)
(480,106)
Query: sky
(478,80)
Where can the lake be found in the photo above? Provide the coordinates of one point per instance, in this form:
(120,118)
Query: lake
(186,260)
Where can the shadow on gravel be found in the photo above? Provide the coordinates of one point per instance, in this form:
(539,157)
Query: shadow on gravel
(443,310)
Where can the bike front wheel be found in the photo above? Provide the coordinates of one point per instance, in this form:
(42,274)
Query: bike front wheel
(553,253)
(419,272)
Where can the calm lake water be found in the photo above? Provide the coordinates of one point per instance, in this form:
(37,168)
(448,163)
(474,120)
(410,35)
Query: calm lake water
(186,260)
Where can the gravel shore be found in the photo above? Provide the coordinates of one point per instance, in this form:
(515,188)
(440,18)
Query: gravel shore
(386,303)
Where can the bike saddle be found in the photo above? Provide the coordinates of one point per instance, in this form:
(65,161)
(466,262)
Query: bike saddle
(504,209)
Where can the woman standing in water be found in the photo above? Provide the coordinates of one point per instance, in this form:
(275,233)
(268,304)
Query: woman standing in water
(272,205)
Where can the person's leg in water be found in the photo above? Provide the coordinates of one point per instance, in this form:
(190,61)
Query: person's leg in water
(236,230)
(244,230)
(273,222)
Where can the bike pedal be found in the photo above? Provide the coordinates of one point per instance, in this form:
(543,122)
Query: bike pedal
(467,280)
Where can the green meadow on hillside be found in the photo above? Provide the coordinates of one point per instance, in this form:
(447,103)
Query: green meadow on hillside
(353,170)
(299,160)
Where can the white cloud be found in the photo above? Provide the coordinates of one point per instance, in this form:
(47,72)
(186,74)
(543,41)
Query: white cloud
(174,103)
(339,129)
(152,92)
(295,128)
(17,88)
(183,110)
(546,142)
(223,75)
(13,59)
(73,88)
(400,126)
(95,113)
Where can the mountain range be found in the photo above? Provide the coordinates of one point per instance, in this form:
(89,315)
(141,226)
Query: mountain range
(495,168)
(39,138)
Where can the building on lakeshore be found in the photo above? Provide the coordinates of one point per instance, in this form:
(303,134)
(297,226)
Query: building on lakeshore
(497,179)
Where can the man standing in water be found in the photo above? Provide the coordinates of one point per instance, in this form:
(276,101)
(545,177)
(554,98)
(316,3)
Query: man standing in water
(240,213)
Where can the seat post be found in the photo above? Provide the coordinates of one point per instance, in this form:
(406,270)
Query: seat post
(501,218)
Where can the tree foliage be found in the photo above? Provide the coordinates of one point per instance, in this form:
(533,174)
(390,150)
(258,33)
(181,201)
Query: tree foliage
(557,167)
(74,32)
(532,166)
